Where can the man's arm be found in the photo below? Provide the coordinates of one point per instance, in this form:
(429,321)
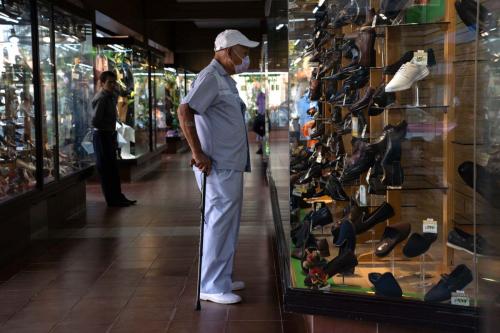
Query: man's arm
(186,120)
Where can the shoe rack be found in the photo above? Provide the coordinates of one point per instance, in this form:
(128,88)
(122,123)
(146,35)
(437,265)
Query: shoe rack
(429,164)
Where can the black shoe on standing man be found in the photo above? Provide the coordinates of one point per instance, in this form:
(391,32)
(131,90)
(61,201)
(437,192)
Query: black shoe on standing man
(105,141)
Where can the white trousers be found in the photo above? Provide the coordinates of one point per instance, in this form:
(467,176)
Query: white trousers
(224,199)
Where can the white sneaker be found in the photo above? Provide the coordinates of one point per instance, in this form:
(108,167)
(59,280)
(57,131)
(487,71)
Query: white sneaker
(227,298)
(237,285)
(406,76)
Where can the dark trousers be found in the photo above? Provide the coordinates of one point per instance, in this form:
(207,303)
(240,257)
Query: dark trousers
(105,145)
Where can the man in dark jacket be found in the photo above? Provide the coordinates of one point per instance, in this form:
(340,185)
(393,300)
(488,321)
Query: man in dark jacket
(105,141)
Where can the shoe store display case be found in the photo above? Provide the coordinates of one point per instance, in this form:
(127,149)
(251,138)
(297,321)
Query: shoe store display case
(133,62)
(129,59)
(393,180)
(46,79)
(166,97)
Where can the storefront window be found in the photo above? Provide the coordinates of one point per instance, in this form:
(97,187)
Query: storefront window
(47,99)
(130,63)
(75,90)
(17,117)
(394,182)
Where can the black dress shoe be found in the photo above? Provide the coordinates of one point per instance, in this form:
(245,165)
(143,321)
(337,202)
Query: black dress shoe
(393,235)
(380,100)
(343,263)
(392,8)
(334,189)
(385,284)
(458,279)
(321,217)
(365,222)
(364,102)
(461,240)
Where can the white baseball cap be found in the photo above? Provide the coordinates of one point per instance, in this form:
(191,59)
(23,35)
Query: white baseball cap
(229,38)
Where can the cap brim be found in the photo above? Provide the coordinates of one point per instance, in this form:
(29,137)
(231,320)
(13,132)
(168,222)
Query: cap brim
(249,43)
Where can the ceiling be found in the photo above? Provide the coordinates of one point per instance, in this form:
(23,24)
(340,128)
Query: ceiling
(194,24)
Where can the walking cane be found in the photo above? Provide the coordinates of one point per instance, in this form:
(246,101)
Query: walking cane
(202,229)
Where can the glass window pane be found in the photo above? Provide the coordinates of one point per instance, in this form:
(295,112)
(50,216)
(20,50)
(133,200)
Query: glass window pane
(17,118)
(75,90)
(47,99)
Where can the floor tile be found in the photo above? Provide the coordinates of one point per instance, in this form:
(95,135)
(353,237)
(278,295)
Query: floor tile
(253,327)
(197,327)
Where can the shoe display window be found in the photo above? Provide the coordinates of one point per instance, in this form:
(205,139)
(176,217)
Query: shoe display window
(394,182)
(74,76)
(130,60)
(17,116)
(165,99)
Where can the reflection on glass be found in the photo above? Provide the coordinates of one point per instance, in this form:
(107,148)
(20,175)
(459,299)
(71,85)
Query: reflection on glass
(75,89)
(168,100)
(17,130)
(47,93)
(131,67)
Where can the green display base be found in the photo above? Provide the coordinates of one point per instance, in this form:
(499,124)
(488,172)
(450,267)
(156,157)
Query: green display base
(430,13)
(299,276)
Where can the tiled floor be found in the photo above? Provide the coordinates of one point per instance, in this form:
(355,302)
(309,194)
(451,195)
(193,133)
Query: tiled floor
(134,269)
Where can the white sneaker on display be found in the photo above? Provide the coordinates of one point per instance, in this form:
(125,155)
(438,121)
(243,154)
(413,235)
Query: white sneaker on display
(227,298)
(237,285)
(406,76)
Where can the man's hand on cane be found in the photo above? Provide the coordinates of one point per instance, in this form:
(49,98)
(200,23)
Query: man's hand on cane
(202,162)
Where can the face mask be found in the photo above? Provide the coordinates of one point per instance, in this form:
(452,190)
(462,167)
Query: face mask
(243,67)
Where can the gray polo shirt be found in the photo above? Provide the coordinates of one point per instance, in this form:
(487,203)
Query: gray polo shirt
(220,118)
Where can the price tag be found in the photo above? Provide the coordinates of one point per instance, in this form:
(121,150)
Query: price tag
(420,58)
(374,23)
(301,188)
(355,127)
(460,298)
(75,76)
(362,195)
(430,226)
(319,159)
(297,193)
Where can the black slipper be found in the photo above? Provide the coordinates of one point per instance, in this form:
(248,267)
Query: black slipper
(393,235)
(418,244)
(385,285)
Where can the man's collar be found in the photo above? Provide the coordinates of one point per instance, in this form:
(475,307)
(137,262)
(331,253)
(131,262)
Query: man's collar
(219,67)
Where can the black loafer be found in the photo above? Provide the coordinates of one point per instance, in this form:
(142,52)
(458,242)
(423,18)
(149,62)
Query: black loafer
(343,263)
(385,285)
(346,239)
(364,223)
(418,244)
(321,217)
(393,235)
(456,280)
(461,240)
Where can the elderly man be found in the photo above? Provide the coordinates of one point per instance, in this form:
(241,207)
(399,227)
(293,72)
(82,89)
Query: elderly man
(212,119)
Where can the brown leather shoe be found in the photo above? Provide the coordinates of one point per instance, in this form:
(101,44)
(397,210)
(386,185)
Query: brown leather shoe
(365,43)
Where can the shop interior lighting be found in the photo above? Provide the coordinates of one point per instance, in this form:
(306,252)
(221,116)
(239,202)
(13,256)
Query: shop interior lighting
(7,18)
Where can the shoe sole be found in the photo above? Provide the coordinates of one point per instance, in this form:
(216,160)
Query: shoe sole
(456,247)
(209,299)
(422,76)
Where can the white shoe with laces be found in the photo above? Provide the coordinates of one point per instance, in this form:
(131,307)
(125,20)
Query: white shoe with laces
(237,285)
(222,298)
(406,76)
